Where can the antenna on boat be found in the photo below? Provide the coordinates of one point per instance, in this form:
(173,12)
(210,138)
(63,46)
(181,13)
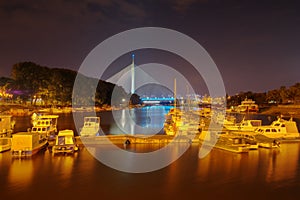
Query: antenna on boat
(188,96)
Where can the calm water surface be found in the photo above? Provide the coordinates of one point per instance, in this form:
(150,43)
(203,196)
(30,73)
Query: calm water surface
(261,174)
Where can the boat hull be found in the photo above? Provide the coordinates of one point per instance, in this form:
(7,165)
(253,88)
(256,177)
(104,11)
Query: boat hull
(26,148)
(226,142)
(5,148)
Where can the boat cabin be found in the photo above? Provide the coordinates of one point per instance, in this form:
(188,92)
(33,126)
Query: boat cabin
(91,126)
(6,125)
(279,129)
(65,142)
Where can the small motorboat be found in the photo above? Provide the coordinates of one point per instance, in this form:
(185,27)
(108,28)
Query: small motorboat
(65,142)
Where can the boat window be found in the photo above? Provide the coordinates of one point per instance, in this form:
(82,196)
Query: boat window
(61,140)
(258,130)
(43,129)
(274,130)
(3,141)
(267,130)
(276,124)
(282,125)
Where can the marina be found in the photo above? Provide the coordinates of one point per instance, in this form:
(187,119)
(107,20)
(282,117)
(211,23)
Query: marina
(149,100)
(89,174)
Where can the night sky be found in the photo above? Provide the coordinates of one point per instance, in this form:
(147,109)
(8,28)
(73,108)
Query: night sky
(255,43)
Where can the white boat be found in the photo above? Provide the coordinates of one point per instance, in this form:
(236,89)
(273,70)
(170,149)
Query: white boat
(270,136)
(227,141)
(91,126)
(27,144)
(45,125)
(279,129)
(5,144)
(248,105)
(65,142)
(244,125)
(6,125)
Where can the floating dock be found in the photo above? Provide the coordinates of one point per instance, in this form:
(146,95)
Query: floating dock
(136,139)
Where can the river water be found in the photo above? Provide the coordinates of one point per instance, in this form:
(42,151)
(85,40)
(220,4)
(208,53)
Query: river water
(260,174)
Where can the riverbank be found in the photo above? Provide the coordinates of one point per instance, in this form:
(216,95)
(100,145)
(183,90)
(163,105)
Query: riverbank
(27,110)
(285,110)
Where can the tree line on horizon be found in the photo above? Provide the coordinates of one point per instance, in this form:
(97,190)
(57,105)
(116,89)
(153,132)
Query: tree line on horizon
(282,95)
(30,82)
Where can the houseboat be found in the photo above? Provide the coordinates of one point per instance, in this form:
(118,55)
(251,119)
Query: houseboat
(26,144)
(45,125)
(248,105)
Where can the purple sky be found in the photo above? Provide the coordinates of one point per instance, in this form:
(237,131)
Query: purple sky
(255,43)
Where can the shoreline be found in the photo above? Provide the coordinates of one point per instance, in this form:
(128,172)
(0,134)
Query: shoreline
(285,110)
(27,110)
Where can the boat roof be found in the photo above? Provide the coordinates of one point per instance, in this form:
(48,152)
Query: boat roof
(91,117)
(24,133)
(66,133)
(3,116)
(48,116)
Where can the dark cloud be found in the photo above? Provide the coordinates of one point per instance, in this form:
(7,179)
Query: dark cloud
(183,5)
(257,37)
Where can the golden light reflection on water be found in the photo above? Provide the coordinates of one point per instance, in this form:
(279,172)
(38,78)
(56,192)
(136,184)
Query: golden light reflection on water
(21,173)
(277,168)
(63,166)
(220,164)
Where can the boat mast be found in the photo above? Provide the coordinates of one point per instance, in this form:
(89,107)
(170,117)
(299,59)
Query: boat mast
(175,93)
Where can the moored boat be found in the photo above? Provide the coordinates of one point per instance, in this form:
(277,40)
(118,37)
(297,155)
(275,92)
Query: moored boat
(244,125)
(65,142)
(279,129)
(6,125)
(270,136)
(5,144)
(227,141)
(182,123)
(248,105)
(45,125)
(91,126)
(27,144)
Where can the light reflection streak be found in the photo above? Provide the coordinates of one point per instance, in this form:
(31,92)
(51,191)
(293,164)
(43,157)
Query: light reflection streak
(21,173)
